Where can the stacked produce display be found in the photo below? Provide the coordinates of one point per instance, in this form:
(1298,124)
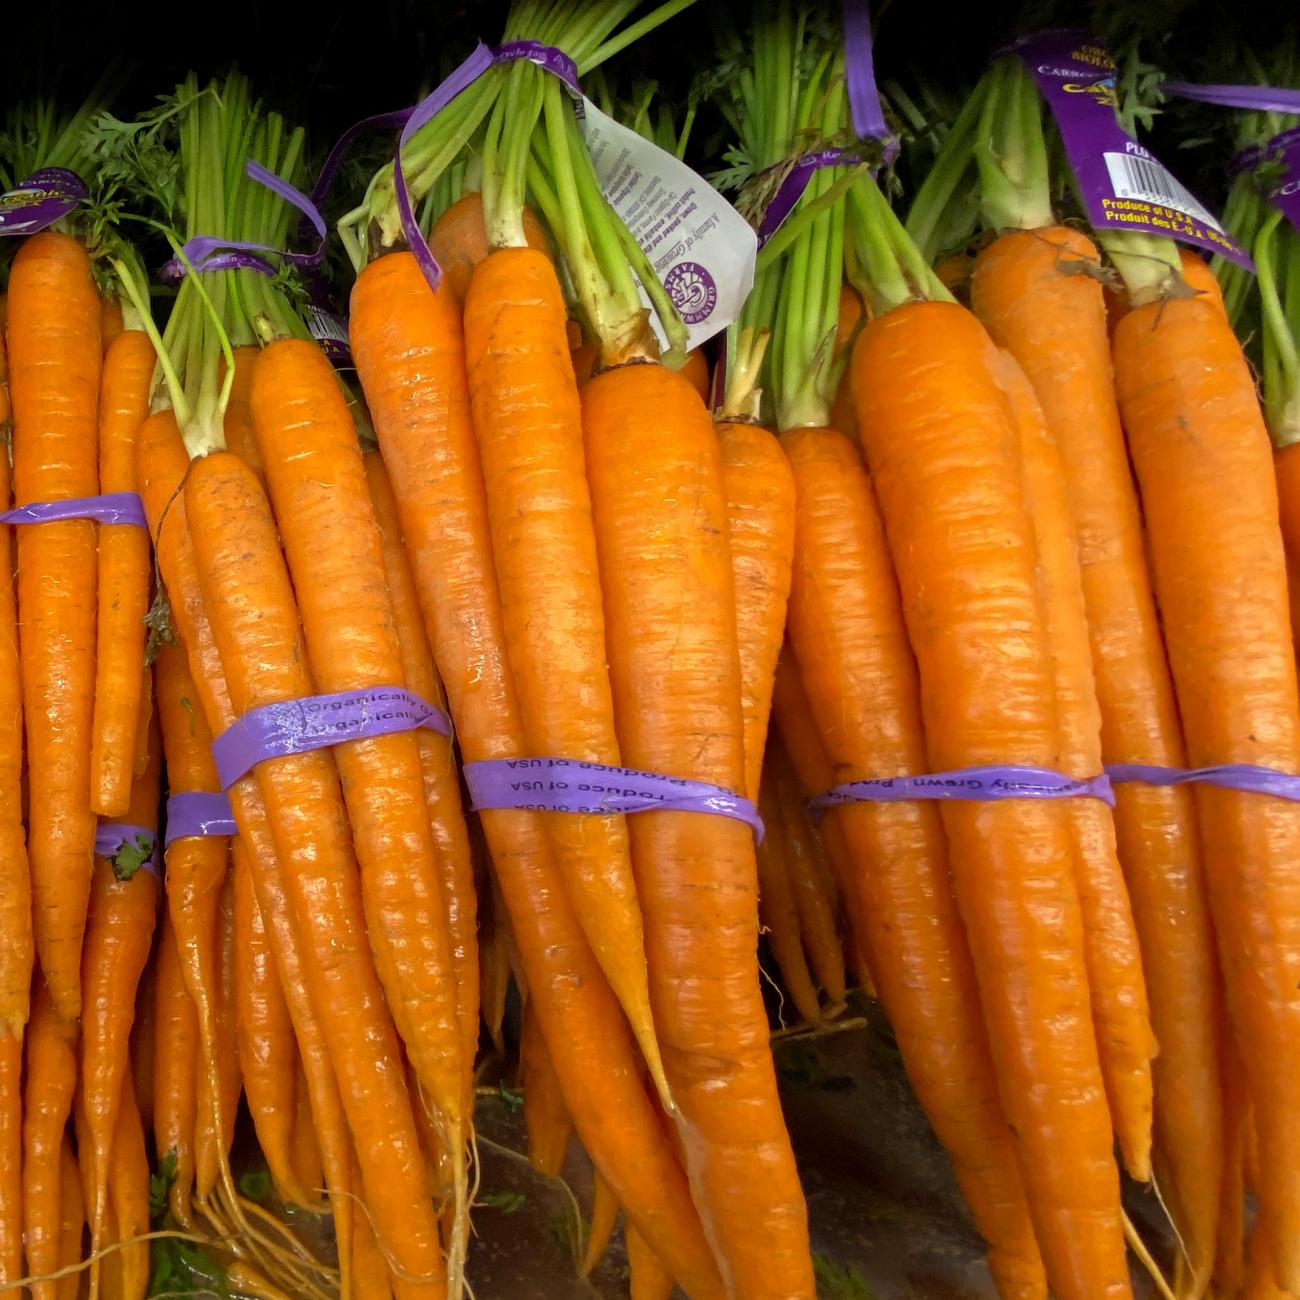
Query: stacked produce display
(640,574)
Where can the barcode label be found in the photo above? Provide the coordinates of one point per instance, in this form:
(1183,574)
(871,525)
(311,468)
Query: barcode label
(323,325)
(1148,180)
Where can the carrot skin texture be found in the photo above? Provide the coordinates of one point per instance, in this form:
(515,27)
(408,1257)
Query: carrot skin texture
(1054,322)
(124,574)
(130,1194)
(218,1106)
(545,1115)
(238,553)
(47,1103)
(529,424)
(72,1223)
(675,668)
(1115,978)
(11,1160)
(175,1085)
(649,1279)
(238,422)
(848,634)
(162,464)
(1198,443)
(54,372)
(944,460)
(604,1216)
(409,349)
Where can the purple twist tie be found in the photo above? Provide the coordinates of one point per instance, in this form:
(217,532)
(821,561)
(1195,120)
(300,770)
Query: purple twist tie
(318,722)
(40,200)
(791,189)
(198,813)
(973,783)
(533,784)
(1260,99)
(860,78)
(110,508)
(1228,776)
(211,253)
(112,837)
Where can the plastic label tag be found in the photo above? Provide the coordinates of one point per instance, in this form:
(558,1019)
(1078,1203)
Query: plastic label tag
(1124,186)
(1284,194)
(40,200)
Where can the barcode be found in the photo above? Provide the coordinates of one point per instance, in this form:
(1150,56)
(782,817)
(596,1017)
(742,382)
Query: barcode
(322,325)
(1146,179)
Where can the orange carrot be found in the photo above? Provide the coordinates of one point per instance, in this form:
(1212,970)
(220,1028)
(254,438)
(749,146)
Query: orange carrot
(369,1269)
(130,1196)
(237,424)
(1229,1257)
(124,573)
(175,1088)
(47,1104)
(459,240)
(1115,979)
(539,511)
(306,1149)
(54,368)
(110,321)
(237,552)
(670,602)
(215,1125)
(1034,295)
(545,1115)
(847,632)
(945,464)
(600,1227)
(494,965)
(72,1224)
(649,1279)
(11,1159)
(409,349)
(119,935)
(1201,452)
(142,1042)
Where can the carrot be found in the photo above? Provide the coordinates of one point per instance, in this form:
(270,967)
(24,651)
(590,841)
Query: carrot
(369,1269)
(268,1054)
(162,463)
(237,552)
(604,1215)
(649,1279)
(142,1042)
(810,877)
(545,1115)
(47,1103)
(1261,1282)
(847,632)
(1115,980)
(306,1149)
(666,574)
(332,542)
(408,346)
(945,464)
(16,945)
(175,1088)
(110,321)
(237,424)
(459,240)
(119,936)
(72,1224)
(539,511)
(1201,452)
(130,1195)
(215,1125)
(1229,1259)
(777,912)
(852,314)
(124,574)
(1035,307)
(438,762)
(494,968)
(11,1158)
(54,368)
(695,370)
(759,491)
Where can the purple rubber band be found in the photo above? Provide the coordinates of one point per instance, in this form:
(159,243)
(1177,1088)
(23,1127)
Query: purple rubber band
(112,837)
(791,189)
(974,783)
(478,62)
(547,57)
(211,253)
(110,508)
(198,813)
(860,76)
(533,784)
(40,200)
(318,722)
(1229,776)
(1260,99)
(334,159)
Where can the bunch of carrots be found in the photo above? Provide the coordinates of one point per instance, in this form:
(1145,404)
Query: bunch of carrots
(963,485)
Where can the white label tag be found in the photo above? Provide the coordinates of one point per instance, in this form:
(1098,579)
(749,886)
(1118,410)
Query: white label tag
(1144,177)
(701,248)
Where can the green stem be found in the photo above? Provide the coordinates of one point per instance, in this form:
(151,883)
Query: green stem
(1148,264)
(1011,151)
(942,216)
(1277,265)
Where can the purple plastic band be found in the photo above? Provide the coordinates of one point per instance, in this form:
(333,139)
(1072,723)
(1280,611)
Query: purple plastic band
(112,837)
(40,200)
(318,722)
(334,159)
(198,813)
(860,74)
(973,783)
(568,786)
(211,253)
(791,189)
(1230,776)
(547,57)
(479,61)
(1260,99)
(1123,186)
(110,508)
(1283,149)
